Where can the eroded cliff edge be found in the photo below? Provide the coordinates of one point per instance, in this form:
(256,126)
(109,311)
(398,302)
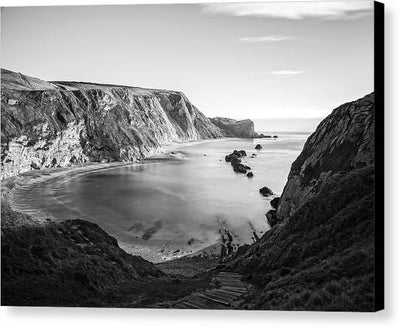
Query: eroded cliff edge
(50,124)
(342,142)
(321,255)
(234,128)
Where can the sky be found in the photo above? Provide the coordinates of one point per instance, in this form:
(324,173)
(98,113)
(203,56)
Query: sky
(270,62)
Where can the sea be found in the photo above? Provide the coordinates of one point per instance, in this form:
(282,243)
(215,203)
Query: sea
(177,203)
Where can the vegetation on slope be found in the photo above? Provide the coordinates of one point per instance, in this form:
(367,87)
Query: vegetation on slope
(76,263)
(322,257)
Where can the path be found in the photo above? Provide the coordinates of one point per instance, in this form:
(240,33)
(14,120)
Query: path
(227,295)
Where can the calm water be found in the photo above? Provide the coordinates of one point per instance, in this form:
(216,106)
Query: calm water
(163,209)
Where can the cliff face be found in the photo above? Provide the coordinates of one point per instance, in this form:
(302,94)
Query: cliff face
(233,128)
(321,256)
(50,124)
(342,142)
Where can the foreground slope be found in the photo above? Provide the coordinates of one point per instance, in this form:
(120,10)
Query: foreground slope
(321,256)
(76,263)
(50,124)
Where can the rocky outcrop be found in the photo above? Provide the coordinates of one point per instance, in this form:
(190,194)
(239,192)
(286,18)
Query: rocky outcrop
(272,219)
(265,191)
(319,255)
(235,159)
(342,142)
(275,202)
(50,124)
(233,128)
(235,155)
(322,257)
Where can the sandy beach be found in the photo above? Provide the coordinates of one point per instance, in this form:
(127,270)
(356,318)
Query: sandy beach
(23,193)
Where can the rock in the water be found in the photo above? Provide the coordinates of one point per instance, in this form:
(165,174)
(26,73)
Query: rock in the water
(272,218)
(235,154)
(275,137)
(250,174)
(275,202)
(265,191)
(235,161)
(240,168)
(258,147)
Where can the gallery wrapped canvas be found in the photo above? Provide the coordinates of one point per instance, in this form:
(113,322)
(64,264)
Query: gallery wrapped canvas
(193,156)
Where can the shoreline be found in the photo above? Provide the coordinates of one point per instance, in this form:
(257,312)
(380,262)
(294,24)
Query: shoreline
(14,191)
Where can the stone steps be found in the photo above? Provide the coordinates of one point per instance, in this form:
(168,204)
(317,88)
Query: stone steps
(235,289)
(231,290)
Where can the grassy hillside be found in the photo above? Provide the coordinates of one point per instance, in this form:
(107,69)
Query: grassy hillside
(76,263)
(322,257)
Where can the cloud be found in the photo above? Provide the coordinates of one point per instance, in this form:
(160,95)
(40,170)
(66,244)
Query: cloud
(286,73)
(270,38)
(294,9)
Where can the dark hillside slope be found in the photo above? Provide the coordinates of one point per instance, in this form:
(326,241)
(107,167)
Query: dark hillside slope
(342,142)
(321,256)
(66,263)
(76,263)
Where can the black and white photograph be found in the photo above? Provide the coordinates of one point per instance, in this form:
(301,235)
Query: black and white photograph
(193,156)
